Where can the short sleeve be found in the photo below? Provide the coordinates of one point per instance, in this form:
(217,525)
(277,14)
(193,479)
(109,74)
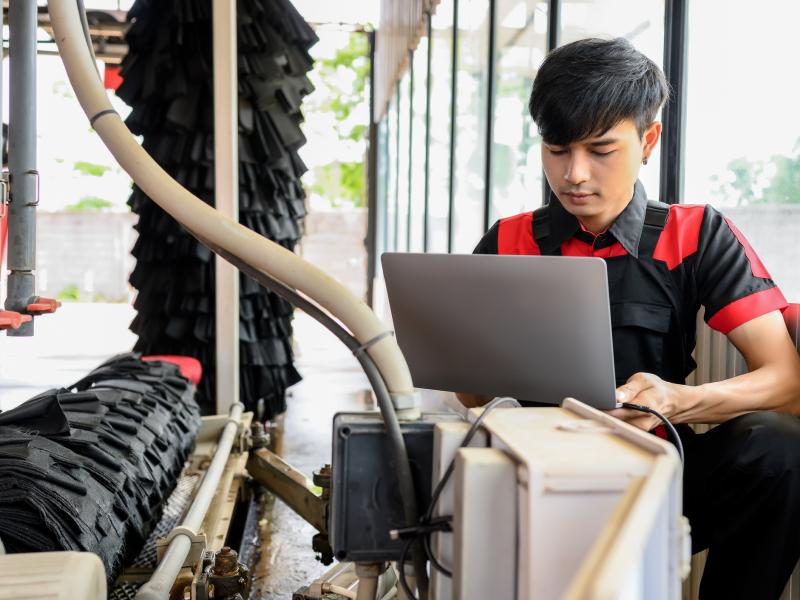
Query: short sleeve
(488,243)
(732,282)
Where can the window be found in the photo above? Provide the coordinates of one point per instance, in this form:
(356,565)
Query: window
(471,108)
(641,22)
(742,141)
(403,156)
(516,146)
(440,121)
(382,192)
(419,97)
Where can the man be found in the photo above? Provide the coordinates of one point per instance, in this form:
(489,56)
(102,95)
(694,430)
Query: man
(595,103)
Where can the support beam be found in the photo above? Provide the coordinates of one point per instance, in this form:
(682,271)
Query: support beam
(22,162)
(226,184)
(288,484)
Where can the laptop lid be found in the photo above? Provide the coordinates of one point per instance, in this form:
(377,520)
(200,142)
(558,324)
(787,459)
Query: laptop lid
(536,328)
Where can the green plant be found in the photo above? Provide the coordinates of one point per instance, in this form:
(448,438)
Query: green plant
(748,185)
(344,78)
(69,294)
(87,168)
(89,204)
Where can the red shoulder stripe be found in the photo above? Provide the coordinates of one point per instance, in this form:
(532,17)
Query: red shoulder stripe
(756,266)
(515,235)
(681,234)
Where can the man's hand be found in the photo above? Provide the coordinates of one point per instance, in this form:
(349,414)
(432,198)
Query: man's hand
(652,391)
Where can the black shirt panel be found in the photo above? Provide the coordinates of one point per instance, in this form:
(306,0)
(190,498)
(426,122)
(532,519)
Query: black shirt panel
(488,243)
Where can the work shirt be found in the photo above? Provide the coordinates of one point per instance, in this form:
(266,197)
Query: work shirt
(659,274)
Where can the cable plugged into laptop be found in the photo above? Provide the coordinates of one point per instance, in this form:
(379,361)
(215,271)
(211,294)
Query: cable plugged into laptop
(671,431)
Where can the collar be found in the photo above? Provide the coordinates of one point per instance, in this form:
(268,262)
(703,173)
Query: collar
(626,228)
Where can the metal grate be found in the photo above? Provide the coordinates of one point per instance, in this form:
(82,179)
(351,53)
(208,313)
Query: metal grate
(173,510)
(124,591)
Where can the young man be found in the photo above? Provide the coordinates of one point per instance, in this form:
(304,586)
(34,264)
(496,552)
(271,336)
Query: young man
(595,103)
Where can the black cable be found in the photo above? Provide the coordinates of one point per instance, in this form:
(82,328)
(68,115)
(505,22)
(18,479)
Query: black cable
(673,433)
(424,528)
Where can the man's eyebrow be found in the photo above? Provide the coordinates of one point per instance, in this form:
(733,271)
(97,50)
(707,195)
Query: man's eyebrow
(605,142)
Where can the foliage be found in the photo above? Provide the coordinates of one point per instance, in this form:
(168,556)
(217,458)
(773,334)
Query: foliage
(755,182)
(87,168)
(89,204)
(345,76)
(69,294)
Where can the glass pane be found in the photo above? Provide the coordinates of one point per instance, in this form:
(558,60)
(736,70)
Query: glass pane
(403,147)
(440,118)
(419,97)
(743,127)
(641,22)
(391,177)
(516,145)
(471,106)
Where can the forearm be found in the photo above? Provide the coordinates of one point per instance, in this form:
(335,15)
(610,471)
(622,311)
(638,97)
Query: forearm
(771,387)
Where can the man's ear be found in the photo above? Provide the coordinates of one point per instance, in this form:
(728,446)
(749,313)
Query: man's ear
(650,138)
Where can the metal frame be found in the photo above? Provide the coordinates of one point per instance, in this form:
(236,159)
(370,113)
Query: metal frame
(396,194)
(488,175)
(409,215)
(676,41)
(453,108)
(373,155)
(553,40)
(429,61)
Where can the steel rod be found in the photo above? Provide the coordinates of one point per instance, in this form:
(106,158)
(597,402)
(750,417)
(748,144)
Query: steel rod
(22,19)
(160,584)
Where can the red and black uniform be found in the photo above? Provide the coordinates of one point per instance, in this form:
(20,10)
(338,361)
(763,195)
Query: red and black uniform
(741,479)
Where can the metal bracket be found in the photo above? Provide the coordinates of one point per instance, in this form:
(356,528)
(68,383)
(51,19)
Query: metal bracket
(5,193)
(197,549)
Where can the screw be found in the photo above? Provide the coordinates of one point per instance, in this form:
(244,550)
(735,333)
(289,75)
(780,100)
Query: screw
(259,435)
(226,562)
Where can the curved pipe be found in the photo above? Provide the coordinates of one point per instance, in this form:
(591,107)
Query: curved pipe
(221,234)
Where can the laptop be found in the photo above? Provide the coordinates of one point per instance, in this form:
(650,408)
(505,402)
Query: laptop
(535,328)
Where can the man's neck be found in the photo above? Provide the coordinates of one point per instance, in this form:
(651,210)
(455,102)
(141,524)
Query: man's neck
(598,224)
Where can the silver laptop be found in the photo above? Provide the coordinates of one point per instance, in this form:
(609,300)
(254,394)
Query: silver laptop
(535,328)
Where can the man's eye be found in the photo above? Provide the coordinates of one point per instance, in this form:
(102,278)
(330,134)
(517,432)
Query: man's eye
(557,152)
(602,153)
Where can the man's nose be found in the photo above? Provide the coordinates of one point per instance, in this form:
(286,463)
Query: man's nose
(577,168)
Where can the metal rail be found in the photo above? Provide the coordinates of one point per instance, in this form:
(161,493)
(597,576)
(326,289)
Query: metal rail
(160,584)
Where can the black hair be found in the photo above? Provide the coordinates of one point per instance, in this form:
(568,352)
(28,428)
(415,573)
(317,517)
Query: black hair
(585,88)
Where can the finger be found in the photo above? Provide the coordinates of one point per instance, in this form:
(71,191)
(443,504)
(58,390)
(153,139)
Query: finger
(635,385)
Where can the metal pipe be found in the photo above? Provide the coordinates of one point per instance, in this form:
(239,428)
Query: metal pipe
(22,18)
(160,584)
(226,200)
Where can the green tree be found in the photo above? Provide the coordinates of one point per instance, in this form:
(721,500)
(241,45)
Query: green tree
(345,76)
(747,187)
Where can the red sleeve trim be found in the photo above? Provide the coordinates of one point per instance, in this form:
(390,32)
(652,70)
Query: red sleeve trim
(746,309)
(515,235)
(681,234)
(756,266)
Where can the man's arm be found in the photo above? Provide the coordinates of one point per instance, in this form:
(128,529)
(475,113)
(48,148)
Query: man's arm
(772,383)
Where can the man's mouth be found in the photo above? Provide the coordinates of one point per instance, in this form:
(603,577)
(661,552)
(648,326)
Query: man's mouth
(577,196)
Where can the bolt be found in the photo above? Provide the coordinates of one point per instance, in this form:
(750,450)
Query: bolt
(259,435)
(187,593)
(226,562)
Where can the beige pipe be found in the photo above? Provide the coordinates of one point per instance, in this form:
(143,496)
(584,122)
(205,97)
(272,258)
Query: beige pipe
(220,233)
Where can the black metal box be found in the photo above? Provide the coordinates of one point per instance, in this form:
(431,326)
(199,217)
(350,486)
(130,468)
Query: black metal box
(365,501)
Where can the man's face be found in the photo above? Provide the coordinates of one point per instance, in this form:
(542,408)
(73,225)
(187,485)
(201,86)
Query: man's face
(593,178)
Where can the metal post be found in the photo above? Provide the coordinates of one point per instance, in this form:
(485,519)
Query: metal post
(490,92)
(553,40)
(676,40)
(22,20)
(373,154)
(226,178)
(451,184)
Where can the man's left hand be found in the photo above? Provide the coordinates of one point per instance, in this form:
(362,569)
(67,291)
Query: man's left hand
(648,390)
